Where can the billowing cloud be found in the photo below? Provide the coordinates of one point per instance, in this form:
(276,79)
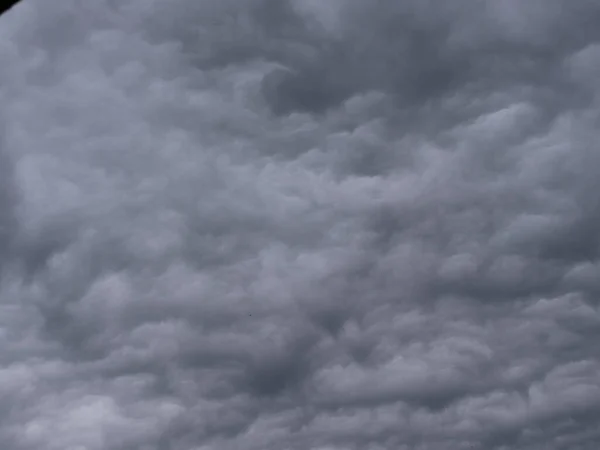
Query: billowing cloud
(299,224)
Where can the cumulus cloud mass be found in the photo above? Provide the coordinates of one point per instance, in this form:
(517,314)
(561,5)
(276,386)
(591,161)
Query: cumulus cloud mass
(300,224)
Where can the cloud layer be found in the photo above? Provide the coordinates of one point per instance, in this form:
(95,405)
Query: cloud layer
(299,224)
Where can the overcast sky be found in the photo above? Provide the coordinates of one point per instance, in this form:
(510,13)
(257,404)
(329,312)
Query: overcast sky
(300,225)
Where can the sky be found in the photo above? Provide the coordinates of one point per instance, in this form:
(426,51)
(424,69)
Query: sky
(300,225)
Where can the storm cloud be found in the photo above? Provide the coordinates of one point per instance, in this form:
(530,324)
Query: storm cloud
(300,224)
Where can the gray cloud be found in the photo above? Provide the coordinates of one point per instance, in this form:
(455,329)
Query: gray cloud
(299,224)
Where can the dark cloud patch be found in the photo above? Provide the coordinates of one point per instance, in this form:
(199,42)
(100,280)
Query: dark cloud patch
(420,55)
(309,90)
(8,200)
(277,372)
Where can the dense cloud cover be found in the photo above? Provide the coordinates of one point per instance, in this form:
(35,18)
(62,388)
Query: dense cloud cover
(300,224)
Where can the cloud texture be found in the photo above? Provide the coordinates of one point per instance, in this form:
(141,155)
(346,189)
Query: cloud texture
(300,224)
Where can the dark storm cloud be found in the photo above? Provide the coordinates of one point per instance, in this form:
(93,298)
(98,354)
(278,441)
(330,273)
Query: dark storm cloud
(299,224)
(7,207)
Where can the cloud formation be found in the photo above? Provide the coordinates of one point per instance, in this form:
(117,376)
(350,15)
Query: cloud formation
(299,224)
